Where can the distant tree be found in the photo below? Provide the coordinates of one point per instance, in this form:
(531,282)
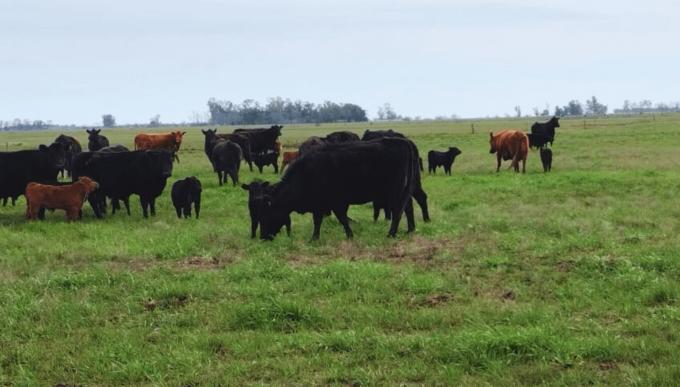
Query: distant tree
(594,107)
(381,113)
(537,112)
(574,108)
(108,120)
(155,120)
(518,111)
(545,112)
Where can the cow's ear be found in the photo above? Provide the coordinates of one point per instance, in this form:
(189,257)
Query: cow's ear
(204,131)
(491,134)
(245,187)
(183,133)
(42,147)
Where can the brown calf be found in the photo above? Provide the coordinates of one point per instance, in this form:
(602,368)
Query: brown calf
(288,157)
(64,197)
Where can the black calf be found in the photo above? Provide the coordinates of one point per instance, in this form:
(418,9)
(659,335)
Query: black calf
(444,159)
(546,159)
(184,193)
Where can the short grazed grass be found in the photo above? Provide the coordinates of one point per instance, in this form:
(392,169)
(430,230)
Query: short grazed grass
(571,277)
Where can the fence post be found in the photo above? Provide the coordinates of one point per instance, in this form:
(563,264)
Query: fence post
(473,128)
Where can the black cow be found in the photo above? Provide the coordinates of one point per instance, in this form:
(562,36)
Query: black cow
(543,132)
(341,136)
(226,159)
(421,198)
(184,193)
(546,159)
(71,147)
(121,174)
(261,139)
(259,197)
(267,158)
(444,159)
(373,134)
(339,175)
(212,138)
(95,140)
(114,148)
(310,144)
(19,168)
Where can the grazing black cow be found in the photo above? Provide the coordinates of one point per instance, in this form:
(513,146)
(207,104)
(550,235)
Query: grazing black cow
(212,138)
(71,147)
(114,148)
(310,144)
(259,195)
(266,158)
(19,168)
(420,197)
(95,140)
(185,193)
(546,159)
(339,175)
(543,132)
(341,136)
(121,174)
(444,159)
(226,159)
(261,139)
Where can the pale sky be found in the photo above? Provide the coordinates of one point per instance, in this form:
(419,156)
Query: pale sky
(70,61)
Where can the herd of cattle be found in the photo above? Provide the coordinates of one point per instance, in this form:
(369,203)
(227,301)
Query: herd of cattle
(325,174)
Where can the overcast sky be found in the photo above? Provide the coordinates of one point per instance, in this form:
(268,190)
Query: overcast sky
(70,61)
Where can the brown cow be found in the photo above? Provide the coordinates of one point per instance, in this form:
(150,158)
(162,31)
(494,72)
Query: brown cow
(510,144)
(155,141)
(63,197)
(288,157)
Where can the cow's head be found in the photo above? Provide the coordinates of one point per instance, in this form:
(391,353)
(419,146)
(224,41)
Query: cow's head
(555,121)
(492,143)
(454,151)
(177,137)
(209,132)
(194,185)
(160,161)
(277,129)
(90,185)
(56,154)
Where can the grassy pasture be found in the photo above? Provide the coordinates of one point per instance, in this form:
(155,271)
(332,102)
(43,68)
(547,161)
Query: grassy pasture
(570,277)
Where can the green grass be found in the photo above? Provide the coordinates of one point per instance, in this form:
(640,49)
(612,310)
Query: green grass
(565,278)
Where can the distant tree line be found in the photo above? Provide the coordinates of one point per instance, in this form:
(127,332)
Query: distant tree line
(574,108)
(18,124)
(646,106)
(278,110)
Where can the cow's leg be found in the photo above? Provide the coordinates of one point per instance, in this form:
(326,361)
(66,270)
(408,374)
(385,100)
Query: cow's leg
(4,202)
(524,165)
(259,167)
(341,214)
(253,226)
(178,210)
(397,211)
(288,226)
(126,202)
(152,205)
(498,161)
(219,177)
(187,210)
(376,212)
(41,213)
(14,200)
(411,222)
(72,213)
(145,204)
(276,167)
(421,199)
(234,177)
(318,218)
(197,207)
